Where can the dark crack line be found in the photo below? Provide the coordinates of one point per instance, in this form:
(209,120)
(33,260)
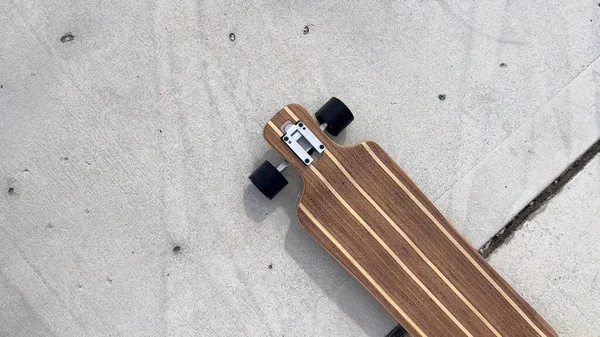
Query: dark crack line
(539,201)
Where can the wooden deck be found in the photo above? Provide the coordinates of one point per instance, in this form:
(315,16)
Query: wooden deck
(365,211)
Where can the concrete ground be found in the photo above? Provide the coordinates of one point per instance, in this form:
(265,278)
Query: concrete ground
(553,259)
(127,129)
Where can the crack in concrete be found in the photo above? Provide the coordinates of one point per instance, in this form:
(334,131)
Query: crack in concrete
(538,203)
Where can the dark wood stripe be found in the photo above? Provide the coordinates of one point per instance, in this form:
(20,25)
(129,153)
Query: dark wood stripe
(468,280)
(361,273)
(407,238)
(378,263)
(471,323)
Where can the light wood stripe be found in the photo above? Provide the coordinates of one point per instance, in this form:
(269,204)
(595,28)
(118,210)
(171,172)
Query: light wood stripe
(453,240)
(361,269)
(387,248)
(275,128)
(412,244)
(293,115)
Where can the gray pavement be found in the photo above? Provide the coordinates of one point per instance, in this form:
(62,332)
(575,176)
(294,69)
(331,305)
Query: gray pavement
(137,136)
(553,260)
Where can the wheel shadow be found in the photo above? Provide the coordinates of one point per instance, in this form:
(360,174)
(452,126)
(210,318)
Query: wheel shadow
(331,278)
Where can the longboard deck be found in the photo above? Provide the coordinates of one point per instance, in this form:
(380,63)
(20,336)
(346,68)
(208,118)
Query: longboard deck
(365,211)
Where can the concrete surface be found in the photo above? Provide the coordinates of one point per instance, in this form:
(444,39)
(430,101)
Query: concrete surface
(553,260)
(510,176)
(138,136)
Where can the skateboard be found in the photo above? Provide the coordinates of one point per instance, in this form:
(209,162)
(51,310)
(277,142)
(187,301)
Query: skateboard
(366,212)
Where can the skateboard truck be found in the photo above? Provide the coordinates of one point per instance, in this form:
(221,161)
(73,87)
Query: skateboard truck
(284,164)
(332,117)
(302,141)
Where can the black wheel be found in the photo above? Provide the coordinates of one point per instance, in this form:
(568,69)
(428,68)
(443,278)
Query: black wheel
(336,114)
(268,180)
(397,332)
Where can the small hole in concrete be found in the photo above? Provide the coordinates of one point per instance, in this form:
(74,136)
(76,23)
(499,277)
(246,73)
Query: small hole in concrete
(270,266)
(176,249)
(442,97)
(503,65)
(67,38)
(306,30)
(11,190)
(231,37)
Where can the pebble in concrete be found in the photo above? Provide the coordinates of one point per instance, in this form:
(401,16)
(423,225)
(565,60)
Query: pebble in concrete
(67,38)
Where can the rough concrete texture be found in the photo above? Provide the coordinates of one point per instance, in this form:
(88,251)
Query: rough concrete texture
(511,175)
(138,135)
(553,260)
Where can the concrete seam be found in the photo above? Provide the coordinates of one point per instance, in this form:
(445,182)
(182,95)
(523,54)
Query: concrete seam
(532,208)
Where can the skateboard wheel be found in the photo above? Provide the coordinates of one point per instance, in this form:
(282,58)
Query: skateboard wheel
(336,114)
(268,180)
(397,332)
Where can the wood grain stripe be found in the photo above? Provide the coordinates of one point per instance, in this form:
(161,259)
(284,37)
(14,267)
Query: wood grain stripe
(275,128)
(389,250)
(361,269)
(293,115)
(454,242)
(412,244)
